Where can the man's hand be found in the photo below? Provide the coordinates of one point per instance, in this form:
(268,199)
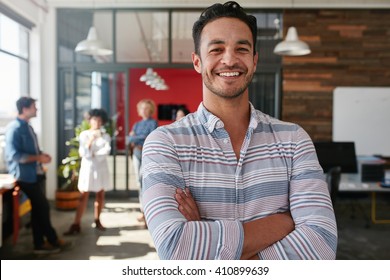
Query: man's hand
(187,204)
(261,233)
(44,158)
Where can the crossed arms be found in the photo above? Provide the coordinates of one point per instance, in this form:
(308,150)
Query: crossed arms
(271,229)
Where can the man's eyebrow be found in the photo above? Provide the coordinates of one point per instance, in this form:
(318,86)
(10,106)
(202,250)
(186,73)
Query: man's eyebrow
(239,42)
(215,42)
(244,42)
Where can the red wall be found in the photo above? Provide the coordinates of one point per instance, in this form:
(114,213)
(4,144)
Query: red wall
(185,87)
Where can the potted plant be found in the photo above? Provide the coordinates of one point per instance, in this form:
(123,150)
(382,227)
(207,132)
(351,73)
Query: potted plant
(67,196)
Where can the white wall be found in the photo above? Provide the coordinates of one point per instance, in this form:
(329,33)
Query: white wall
(25,8)
(48,81)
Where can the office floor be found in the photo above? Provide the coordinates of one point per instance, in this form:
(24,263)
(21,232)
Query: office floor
(125,237)
(359,239)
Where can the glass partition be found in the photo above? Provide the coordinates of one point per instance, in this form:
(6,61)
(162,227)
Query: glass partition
(182,43)
(142,36)
(95,89)
(73,27)
(66,84)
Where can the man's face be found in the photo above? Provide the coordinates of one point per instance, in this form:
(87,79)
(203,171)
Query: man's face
(31,111)
(226,59)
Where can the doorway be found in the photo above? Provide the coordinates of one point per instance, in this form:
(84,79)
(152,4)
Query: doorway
(81,90)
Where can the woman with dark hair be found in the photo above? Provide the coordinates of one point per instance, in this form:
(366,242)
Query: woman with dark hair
(94,175)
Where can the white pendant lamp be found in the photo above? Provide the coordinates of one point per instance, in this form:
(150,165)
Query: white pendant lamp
(292,46)
(92,45)
(152,79)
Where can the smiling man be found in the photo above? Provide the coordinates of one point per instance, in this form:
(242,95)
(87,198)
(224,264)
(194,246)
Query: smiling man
(228,181)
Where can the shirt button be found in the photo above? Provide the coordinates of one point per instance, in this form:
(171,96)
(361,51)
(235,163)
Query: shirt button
(225,141)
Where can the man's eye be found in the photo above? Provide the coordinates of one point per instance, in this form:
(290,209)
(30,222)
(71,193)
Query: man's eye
(243,50)
(215,50)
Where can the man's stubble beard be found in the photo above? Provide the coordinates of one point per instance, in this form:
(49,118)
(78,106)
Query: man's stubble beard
(230,93)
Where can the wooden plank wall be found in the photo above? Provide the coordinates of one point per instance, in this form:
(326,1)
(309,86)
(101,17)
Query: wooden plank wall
(349,48)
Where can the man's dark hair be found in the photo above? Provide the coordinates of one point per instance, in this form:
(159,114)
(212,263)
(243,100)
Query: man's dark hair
(229,9)
(24,102)
(101,113)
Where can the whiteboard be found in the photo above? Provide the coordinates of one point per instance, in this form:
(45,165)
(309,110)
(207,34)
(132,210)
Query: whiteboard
(362,115)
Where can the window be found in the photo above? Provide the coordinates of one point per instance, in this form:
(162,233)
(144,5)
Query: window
(14,67)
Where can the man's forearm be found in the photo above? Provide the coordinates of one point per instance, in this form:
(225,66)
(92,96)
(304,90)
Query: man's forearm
(42,158)
(260,234)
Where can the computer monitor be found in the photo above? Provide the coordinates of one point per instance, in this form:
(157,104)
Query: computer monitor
(331,154)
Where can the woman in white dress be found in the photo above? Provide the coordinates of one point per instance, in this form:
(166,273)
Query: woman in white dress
(94,175)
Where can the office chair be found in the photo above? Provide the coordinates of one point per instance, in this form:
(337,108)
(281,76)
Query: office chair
(333,177)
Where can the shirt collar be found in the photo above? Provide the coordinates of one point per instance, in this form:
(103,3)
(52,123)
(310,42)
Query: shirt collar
(21,121)
(212,122)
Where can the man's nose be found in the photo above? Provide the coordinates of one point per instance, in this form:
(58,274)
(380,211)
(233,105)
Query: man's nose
(229,58)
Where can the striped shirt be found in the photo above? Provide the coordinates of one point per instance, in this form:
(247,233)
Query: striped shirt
(277,171)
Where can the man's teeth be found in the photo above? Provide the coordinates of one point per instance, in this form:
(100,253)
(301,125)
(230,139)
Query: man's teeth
(229,74)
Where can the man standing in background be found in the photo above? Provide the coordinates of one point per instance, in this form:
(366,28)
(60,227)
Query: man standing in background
(24,161)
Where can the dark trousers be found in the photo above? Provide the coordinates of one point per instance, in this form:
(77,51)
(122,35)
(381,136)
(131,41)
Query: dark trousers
(40,214)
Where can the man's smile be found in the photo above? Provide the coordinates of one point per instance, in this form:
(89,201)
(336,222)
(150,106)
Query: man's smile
(229,74)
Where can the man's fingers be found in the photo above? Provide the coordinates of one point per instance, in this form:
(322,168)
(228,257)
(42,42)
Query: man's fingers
(187,205)
(182,199)
(185,214)
(188,192)
(190,200)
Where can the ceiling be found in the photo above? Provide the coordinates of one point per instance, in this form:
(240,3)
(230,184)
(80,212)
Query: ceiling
(142,36)
(147,39)
(205,3)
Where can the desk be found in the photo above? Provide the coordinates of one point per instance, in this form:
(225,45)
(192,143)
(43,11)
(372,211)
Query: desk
(353,183)
(7,183)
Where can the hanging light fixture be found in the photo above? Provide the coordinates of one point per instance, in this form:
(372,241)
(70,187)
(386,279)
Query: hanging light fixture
(292,46)
(152,79)
(92,45)
(148,75)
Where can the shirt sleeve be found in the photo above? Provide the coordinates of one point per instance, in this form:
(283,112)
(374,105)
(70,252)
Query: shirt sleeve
(102,147)
(14,147)
(84,151)
(142,130)
(173,235)
(315,234)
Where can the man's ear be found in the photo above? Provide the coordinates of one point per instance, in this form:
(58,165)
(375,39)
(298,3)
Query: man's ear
(196,62)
